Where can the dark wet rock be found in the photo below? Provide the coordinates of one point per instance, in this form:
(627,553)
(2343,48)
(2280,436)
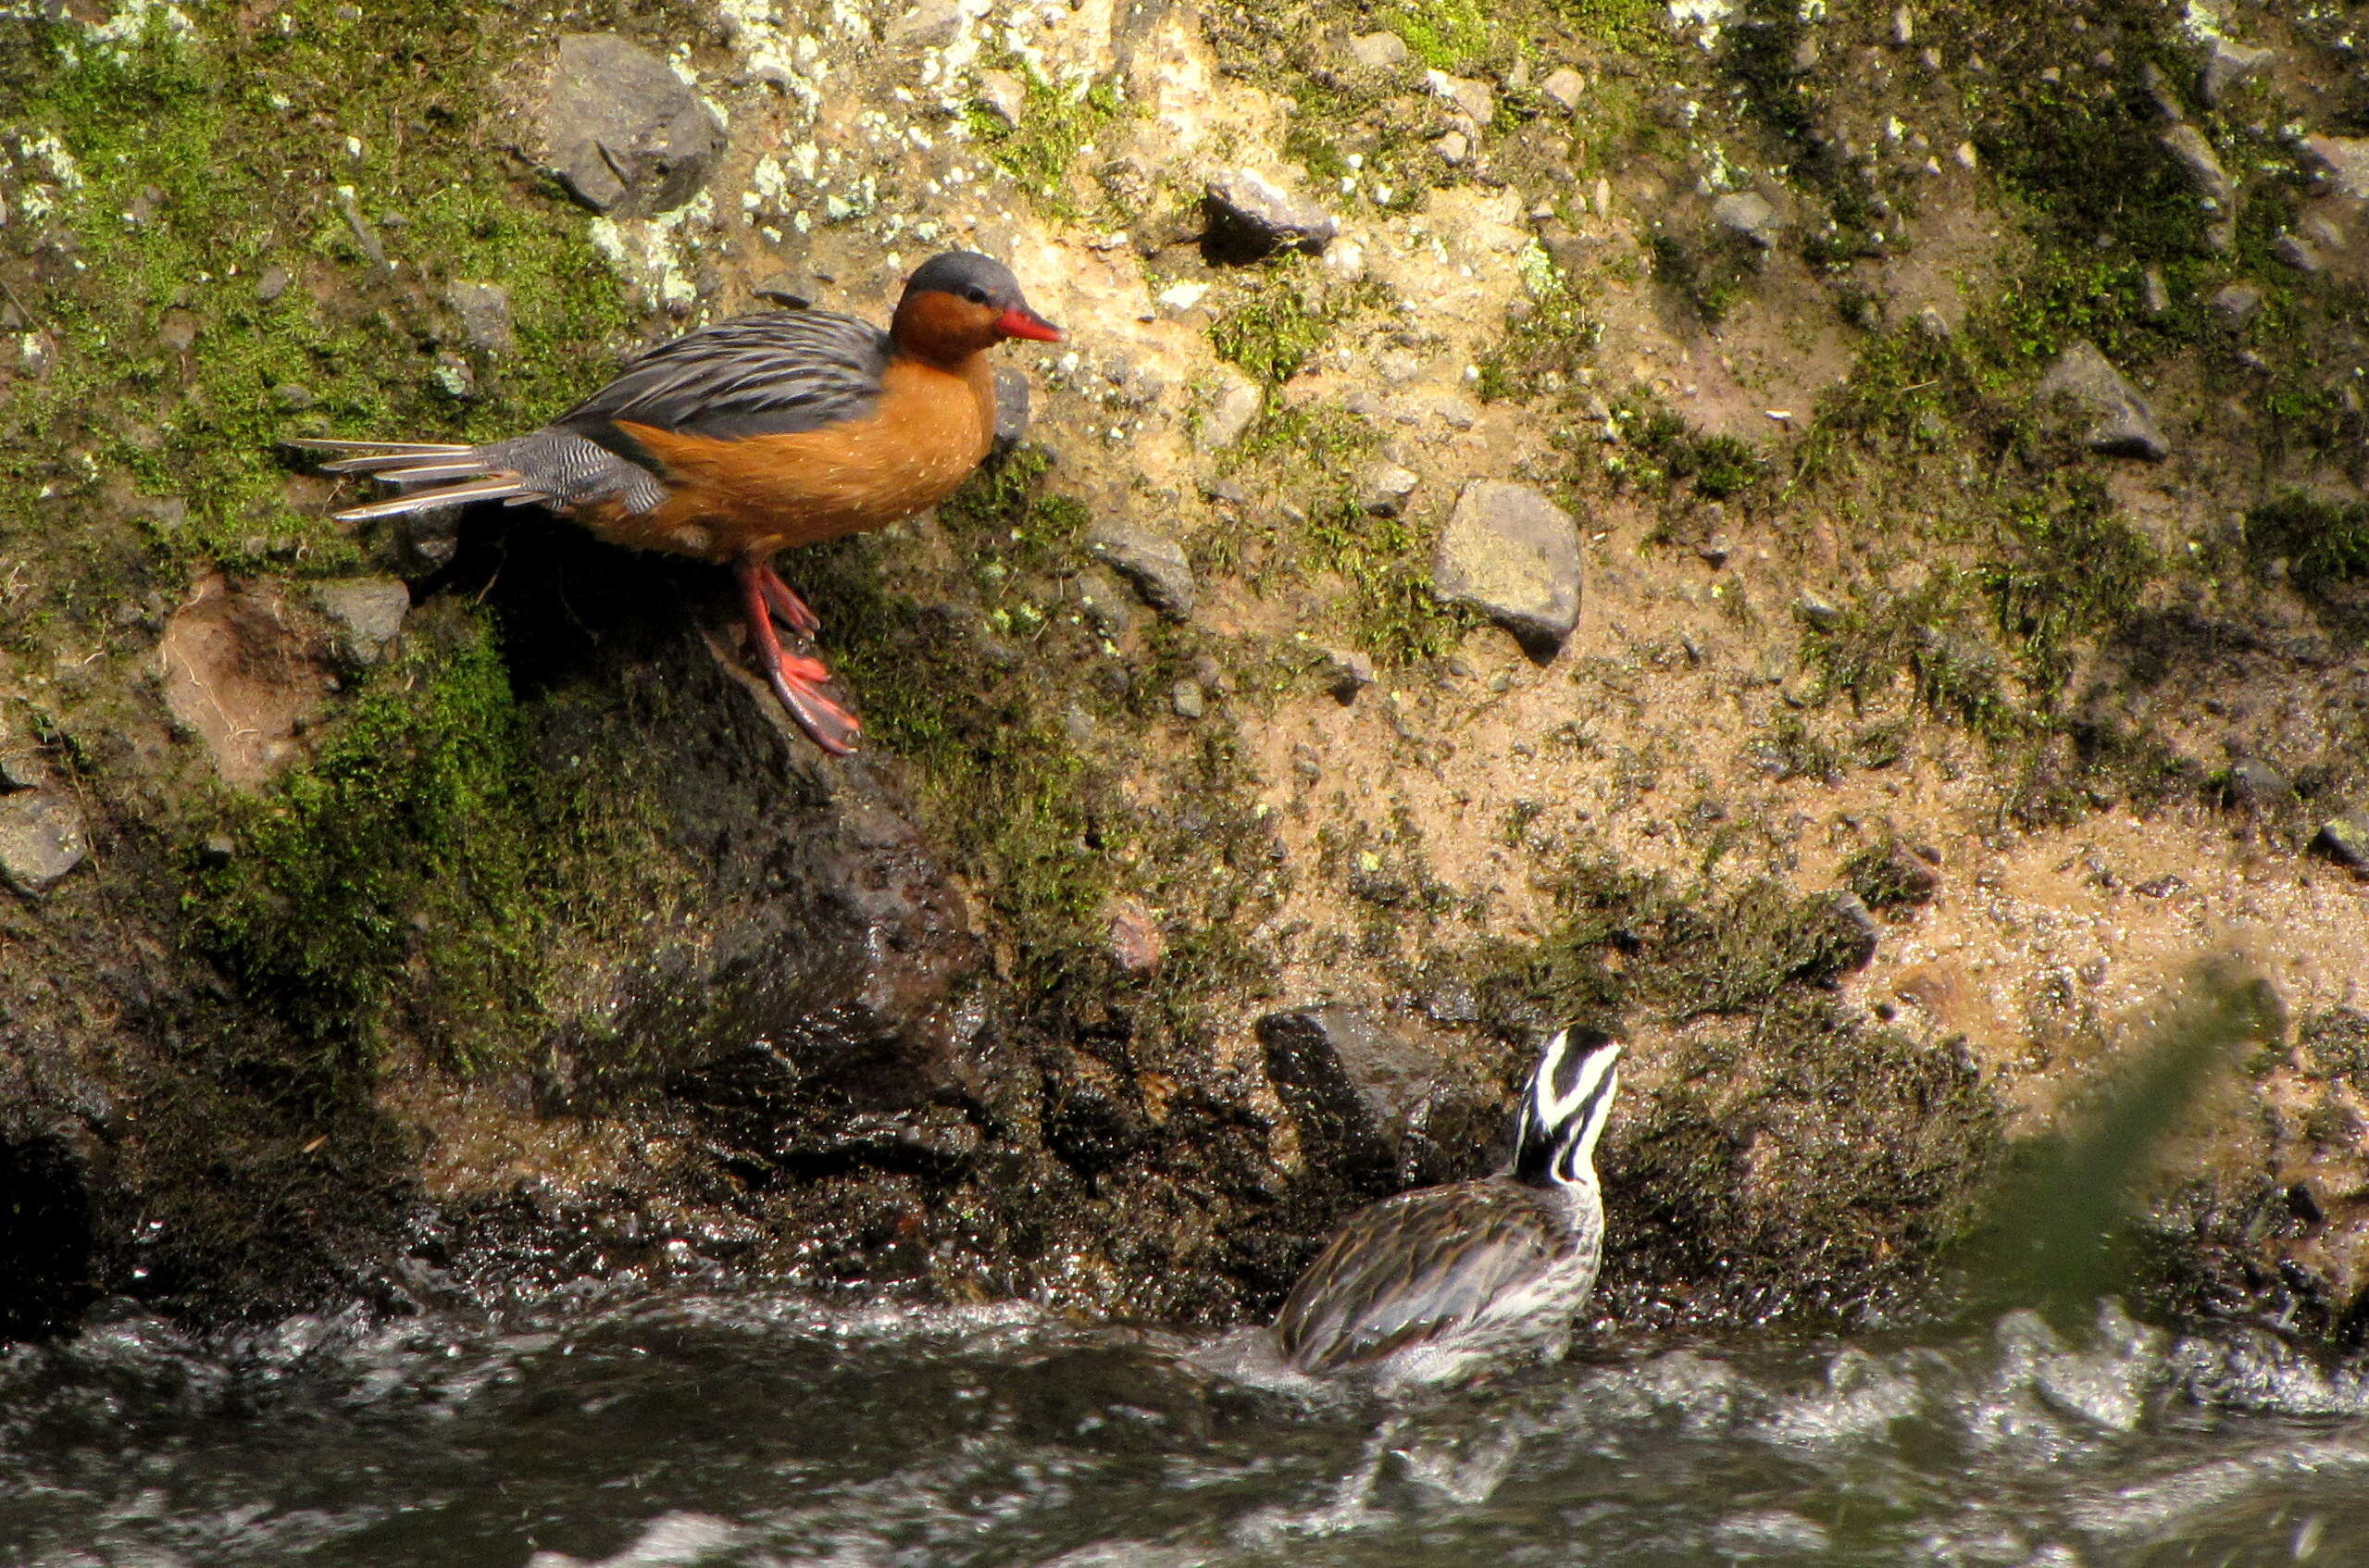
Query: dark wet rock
(1154,563)
(484,310)
(431,538)
(1856,932)
(1376,1111)
(1251,217)
(1383,487)
(1453,1002)
(1514,555)
(1749,216)
(1012,405)
(2114,420)
(2344,838)
(42,838)
(2256,783)
(272,284)
(1377,51)
(622,131)
(1234,401)
(365,613)
(2235,306)
(2229,66)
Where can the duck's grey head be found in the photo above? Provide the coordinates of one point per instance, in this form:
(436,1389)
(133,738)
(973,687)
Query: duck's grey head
(987,287)
(1564,1106)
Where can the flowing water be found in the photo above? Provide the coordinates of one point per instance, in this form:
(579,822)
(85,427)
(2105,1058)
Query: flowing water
(753,1428)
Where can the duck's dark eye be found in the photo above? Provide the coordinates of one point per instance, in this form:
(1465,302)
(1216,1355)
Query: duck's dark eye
(976,294)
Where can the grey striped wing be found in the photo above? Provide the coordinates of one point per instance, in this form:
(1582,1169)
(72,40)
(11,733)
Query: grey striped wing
(771,374)
(1417,1267)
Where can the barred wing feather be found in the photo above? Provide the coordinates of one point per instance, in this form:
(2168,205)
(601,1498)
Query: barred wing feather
(772,374)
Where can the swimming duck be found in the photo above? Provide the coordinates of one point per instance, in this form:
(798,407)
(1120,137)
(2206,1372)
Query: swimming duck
(1419,1286)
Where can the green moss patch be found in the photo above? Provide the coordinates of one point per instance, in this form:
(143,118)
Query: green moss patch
(1058,122)
(1009,717)
(2324,543)
(1777,1112)
(208,163)
(421,871)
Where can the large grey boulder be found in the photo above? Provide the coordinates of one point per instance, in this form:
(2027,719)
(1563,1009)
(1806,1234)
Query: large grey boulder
(622,131)
(2114,419)
(1152,561)
(1514,555)
(1377,1110)
(1250,217)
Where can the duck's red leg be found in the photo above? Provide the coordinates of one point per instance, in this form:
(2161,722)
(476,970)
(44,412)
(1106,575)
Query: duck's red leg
(785,600)
(796,681)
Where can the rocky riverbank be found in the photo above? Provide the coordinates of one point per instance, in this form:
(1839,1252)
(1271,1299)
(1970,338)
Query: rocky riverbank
(1827,539)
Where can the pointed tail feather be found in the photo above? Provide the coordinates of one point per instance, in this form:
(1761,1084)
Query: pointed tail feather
(497,486)
(417,470)
(384,448)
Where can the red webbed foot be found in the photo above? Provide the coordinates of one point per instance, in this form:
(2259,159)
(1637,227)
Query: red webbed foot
(797,680)
(792,611)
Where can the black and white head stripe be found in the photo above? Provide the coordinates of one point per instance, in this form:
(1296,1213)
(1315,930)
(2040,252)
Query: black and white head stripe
(1569,1099)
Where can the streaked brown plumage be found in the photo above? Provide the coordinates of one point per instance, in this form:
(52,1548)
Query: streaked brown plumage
(751,437)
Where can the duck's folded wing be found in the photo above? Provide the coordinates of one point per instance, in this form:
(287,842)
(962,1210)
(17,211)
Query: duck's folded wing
(1414,1268)
(772,374)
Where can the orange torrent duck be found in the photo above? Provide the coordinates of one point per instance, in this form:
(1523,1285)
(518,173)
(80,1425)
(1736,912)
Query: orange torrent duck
(738,442)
